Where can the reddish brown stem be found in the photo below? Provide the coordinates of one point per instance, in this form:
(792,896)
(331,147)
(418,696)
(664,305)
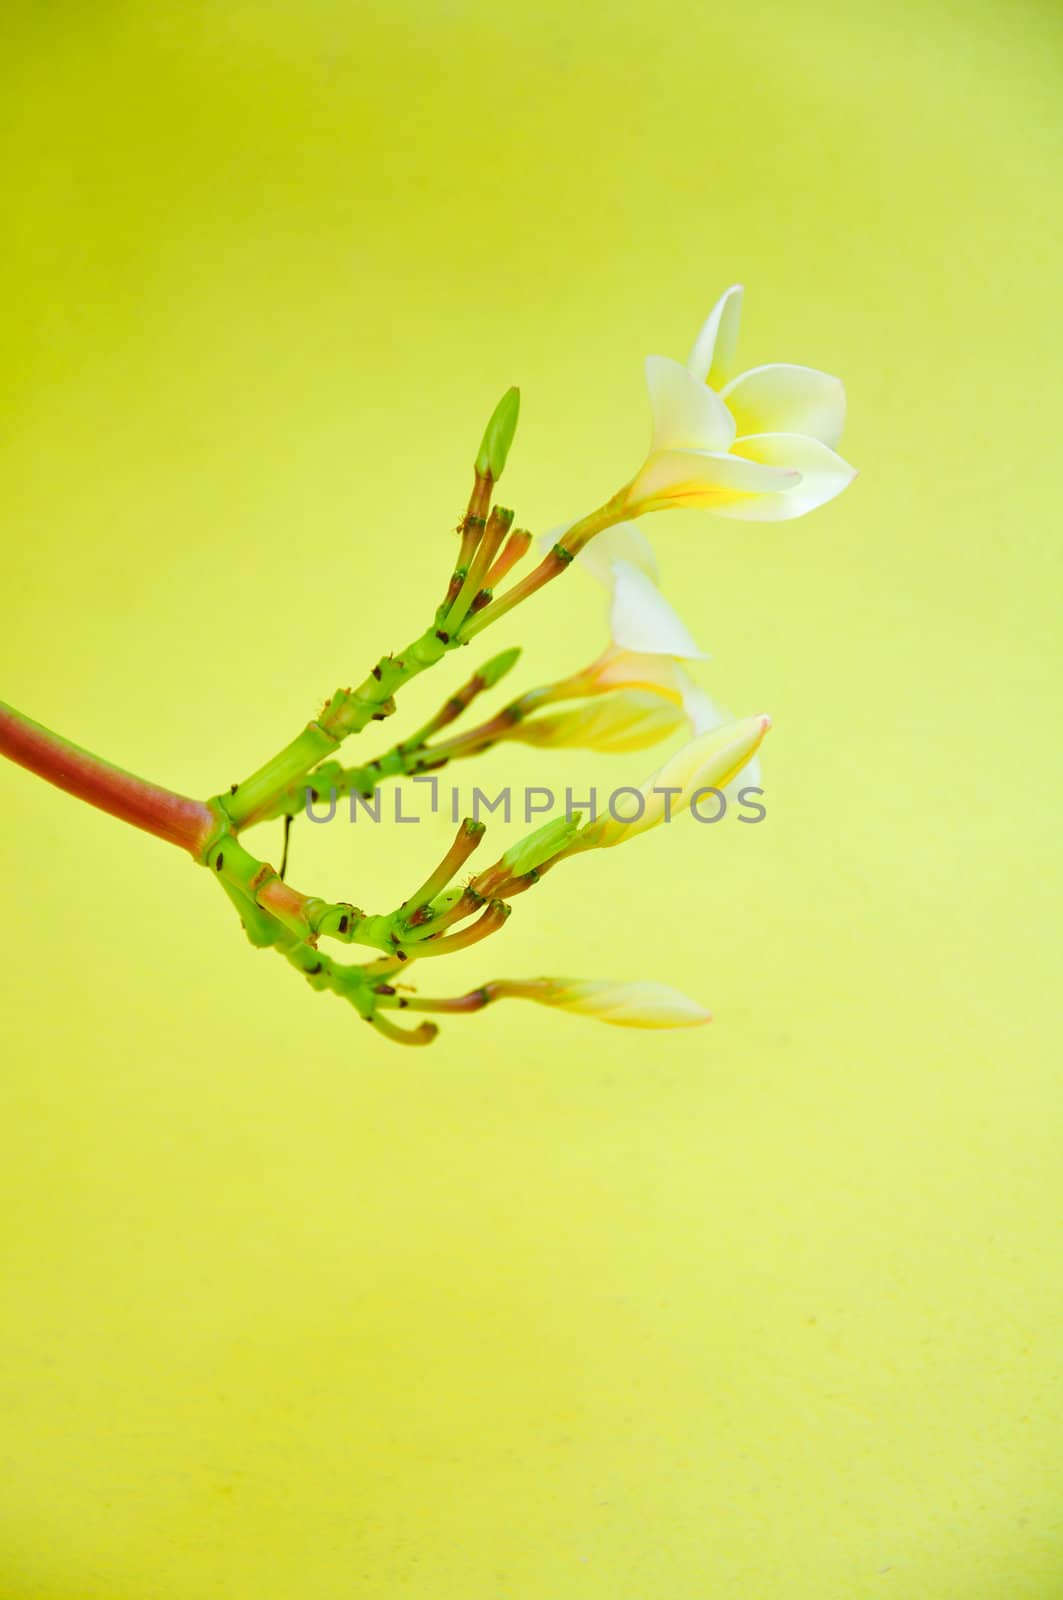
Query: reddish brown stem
(515,549)
(550,567)
(480,499)
(169,816)
(492,919)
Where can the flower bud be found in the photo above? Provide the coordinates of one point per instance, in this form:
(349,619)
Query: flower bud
(498,436)
(708,762)
(540,846)
(494,671)
(626,1005)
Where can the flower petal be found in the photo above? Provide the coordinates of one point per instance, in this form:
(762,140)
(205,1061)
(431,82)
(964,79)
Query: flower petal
(823,475)
(641,619)
(624,541)
(701,478)
(712,359)
(785,399)
(686,414)
(631,719)
(703,714)
(633,669)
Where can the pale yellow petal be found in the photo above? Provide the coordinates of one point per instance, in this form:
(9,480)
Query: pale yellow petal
(822,476)
(624,541)
(712,358)
(634,669)
(703,714)
(785,399)
(641,619)
(700,480)
(629,719)
(686,414)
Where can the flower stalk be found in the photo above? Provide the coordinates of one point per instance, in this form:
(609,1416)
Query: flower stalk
(757,445)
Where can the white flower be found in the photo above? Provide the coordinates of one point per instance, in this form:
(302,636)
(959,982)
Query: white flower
(649,638)
(757,445)
(640,618)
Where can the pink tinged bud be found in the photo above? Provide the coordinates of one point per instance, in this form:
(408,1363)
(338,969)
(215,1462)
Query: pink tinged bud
(625,1005)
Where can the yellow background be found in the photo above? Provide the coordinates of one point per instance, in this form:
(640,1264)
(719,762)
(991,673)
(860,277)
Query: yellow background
(765,1311)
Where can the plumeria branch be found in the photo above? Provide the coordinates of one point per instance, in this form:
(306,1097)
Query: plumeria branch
(758,445)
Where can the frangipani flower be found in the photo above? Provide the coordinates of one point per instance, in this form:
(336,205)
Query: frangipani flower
(757,445)
(709,762)
(649,639)
(640,618)
(629,672)
(626,1005)
(633,679)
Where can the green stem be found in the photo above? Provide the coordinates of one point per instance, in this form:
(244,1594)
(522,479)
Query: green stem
(491,673)
(501,989)
(552,564)
(349,711)
(491,920)
(361,987)
(303,916)
(498,526)
(414,756)
(173,817)
(469,836)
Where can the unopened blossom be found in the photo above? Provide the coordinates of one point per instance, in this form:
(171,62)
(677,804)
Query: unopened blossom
(756,445)
(626,1005)
(630,719)
(633,675)
(711,761)
(703,715)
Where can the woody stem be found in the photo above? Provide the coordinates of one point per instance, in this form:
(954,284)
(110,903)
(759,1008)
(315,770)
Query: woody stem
(173,817)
